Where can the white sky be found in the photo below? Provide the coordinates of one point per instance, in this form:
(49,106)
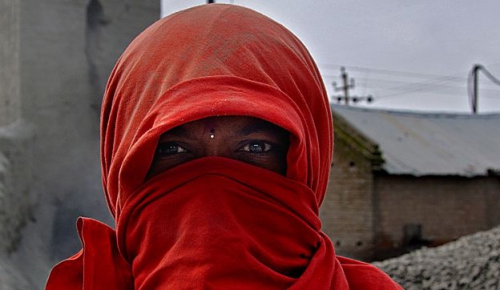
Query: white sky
(407,54)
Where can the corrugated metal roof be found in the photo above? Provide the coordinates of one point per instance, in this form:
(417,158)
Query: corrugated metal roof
(430,143)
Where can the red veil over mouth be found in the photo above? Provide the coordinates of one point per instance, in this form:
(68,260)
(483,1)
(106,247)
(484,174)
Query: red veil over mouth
(213,222)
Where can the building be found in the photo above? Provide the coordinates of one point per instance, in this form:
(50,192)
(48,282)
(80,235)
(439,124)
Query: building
(401,180)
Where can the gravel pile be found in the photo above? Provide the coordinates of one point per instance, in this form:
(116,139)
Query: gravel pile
(471,262)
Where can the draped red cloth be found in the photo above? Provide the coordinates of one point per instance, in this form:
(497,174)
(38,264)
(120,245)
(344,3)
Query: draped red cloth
(213,223)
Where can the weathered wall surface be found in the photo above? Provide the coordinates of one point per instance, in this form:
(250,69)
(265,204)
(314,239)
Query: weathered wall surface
(55,60)
(347,211)
(68,50)
(9,62)
(15,198)
(443,208)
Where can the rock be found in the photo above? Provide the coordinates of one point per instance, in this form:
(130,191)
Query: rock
(471,262)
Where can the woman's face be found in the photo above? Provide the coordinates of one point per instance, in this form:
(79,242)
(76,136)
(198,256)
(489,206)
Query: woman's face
(246,139)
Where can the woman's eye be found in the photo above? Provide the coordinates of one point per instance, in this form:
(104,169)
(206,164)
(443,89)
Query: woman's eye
(256,147)
(168,149)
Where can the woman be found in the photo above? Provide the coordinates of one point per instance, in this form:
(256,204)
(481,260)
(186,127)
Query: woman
(216,147)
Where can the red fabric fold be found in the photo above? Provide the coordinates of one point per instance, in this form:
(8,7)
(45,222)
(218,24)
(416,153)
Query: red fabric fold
(213,223)
(98,264)
(203,225)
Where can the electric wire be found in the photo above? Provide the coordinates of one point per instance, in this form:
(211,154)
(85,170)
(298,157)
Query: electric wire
(437,84)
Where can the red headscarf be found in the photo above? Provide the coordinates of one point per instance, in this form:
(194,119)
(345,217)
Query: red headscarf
(213,222)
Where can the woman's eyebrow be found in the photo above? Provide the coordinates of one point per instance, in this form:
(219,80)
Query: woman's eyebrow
(257,127)
(178,132)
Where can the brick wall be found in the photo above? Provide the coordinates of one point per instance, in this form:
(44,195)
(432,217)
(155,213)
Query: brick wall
(444,208)
(347,211)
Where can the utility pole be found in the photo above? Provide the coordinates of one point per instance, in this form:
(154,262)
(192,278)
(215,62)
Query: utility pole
(346,86)
(475,71)
(474,74)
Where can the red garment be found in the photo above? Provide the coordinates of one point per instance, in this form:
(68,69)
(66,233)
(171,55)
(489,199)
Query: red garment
(214,222)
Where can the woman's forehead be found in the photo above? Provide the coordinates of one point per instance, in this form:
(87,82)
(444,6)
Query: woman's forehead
(240,125)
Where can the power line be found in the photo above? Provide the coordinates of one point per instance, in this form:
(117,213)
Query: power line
(401,84)
(490,76)
(491,97)
(398,85)
(412,87)
(395,72)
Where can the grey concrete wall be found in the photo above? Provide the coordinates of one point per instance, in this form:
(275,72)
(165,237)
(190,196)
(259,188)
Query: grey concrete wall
(68,50)
(15,197)
(9,61)
(57,55)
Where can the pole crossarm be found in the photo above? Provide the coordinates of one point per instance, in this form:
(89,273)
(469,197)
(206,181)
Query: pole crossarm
(348,84)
